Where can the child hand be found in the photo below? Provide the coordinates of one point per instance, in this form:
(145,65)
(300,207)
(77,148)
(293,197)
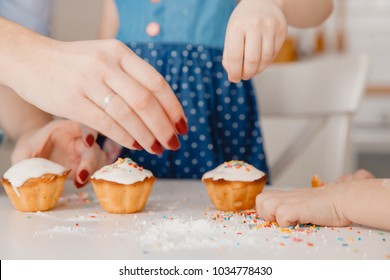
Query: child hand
(64,142)
(361,174)
(255,33)
(319,206)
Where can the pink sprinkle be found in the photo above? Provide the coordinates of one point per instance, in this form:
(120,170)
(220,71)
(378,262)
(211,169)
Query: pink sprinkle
(295,239)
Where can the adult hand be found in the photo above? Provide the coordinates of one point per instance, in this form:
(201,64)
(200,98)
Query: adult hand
(63,142)
(101,84)
(255,33)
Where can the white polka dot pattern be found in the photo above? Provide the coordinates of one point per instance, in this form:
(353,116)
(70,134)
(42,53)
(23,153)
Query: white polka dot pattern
(222,116)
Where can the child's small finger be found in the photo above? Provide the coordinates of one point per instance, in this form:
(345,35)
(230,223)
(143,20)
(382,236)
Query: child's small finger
(363,174)
(289,215)
(268,208)
(252,55)
(234,53)
(267,51)
(89,135)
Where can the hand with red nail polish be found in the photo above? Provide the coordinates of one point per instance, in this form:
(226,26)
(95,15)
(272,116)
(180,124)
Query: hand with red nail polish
(64,142)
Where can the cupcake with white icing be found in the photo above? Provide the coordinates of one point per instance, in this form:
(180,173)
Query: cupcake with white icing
(234,185)
(34,184)
(122,187)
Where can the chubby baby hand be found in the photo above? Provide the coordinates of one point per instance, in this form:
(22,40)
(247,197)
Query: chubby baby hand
(64,142)
(319,206)
(255,33)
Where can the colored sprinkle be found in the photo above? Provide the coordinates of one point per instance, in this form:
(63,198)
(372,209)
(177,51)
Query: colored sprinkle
(383,239)
(310,244)
(282,244)
(28,217)
(295,239)
(77,225)
(238,164)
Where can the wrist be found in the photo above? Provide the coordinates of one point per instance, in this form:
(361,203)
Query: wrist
(19,48)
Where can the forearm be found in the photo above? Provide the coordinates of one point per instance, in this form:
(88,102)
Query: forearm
(17,116)
(17,47)
(305,13)
(367,202)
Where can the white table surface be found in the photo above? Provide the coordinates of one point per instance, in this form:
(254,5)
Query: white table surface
(177,223)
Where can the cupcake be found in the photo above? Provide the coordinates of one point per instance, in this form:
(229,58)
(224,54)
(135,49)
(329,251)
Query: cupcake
(34,184)
(122,187)
(234,185)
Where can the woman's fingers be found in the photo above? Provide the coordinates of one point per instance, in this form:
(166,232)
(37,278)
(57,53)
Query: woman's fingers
(91,159)
(105,124)
(148,109)
(88,135)
(149,78)
(129,120)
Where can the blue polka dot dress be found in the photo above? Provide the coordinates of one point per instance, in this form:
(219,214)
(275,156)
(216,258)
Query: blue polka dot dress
(185,45)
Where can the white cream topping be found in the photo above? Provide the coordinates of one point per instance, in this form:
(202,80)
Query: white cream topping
(123,171)
(20,172)
(234,171)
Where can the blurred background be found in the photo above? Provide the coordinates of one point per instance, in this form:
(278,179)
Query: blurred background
(355,26)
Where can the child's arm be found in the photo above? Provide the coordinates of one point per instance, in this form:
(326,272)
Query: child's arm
(17,116)
(305,13)
(109,21)
(365,202)
(257,29)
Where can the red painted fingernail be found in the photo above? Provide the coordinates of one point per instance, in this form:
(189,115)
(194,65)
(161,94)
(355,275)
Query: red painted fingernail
(90,140)
(83,175)
(174,143)
(78,185)
(182,126)
(157,148)
(137,146)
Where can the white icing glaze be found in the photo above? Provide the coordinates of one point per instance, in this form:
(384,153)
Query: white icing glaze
(20,172)
(123,171)
(234,171)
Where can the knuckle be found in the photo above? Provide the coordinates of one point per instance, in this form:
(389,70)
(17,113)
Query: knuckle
(268,23)
(267,58)
(123,114)
(252,58)
(115,45)
(106,123)
(235,56)
(282,213)
(235,25)
(157,82)
(143,101)
(268,205)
